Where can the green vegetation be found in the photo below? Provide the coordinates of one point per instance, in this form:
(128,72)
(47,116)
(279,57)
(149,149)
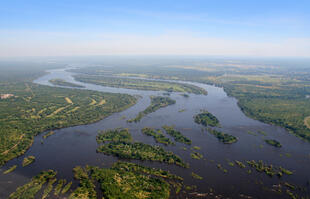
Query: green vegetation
(278,96)
(206,119)
(177,135)
(28,160)
(223,137)
(48,188)
(196,176)
(196,148)
(219,166)
(270,170)
(124,180)
(116,135)
(262,133)
(140,84)
(120,145)
(86,187)
(196,155)
(240,164)
(48,134)
(36,109)
(185,95)
(61,82)
(29,190)
(59,186)
(157,102)
(11,169)
(157,135)
(274,143)
(66,188)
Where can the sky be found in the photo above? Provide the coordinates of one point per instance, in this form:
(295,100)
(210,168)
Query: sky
(159,27)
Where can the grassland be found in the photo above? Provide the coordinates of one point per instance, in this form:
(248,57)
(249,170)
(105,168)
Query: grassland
(119,143)
(177,135)
(157,102)
(207,119)
(61,82)
(35,109)
(140,84)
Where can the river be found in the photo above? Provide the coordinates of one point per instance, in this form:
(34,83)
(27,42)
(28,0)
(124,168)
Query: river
(73,146)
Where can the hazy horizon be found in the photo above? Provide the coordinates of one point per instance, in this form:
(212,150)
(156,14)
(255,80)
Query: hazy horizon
(205,28)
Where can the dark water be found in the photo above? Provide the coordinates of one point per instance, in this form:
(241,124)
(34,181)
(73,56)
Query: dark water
(74,146)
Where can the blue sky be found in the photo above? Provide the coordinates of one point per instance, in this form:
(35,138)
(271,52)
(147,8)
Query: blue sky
(218,27)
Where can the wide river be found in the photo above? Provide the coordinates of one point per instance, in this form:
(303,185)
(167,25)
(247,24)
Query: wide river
(73,146)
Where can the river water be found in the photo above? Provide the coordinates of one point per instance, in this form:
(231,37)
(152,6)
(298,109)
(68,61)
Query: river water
(73,146)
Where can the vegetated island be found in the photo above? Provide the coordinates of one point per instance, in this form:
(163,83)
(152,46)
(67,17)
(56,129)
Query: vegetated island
(28,160)
(40,108)
(140,84)
(157,135)
(177,135)
(223,137)
(270,170)
(206,119)
(122,180)
(157,102)
(274,143)
(11,169)
(119,143)
(61,82)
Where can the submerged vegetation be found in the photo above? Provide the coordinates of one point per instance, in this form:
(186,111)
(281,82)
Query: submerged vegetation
(223,137)
(177,135)
(157,102)
(274,143)
(118,143)
(157,135)
(61,82)
(207,119)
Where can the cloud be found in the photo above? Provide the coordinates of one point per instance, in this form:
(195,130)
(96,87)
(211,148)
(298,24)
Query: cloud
(29,43)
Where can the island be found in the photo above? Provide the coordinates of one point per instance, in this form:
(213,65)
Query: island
(177,135)
(118,142)
(223,137)
(157,102)
(157,135)
(206,119)
(61,82)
